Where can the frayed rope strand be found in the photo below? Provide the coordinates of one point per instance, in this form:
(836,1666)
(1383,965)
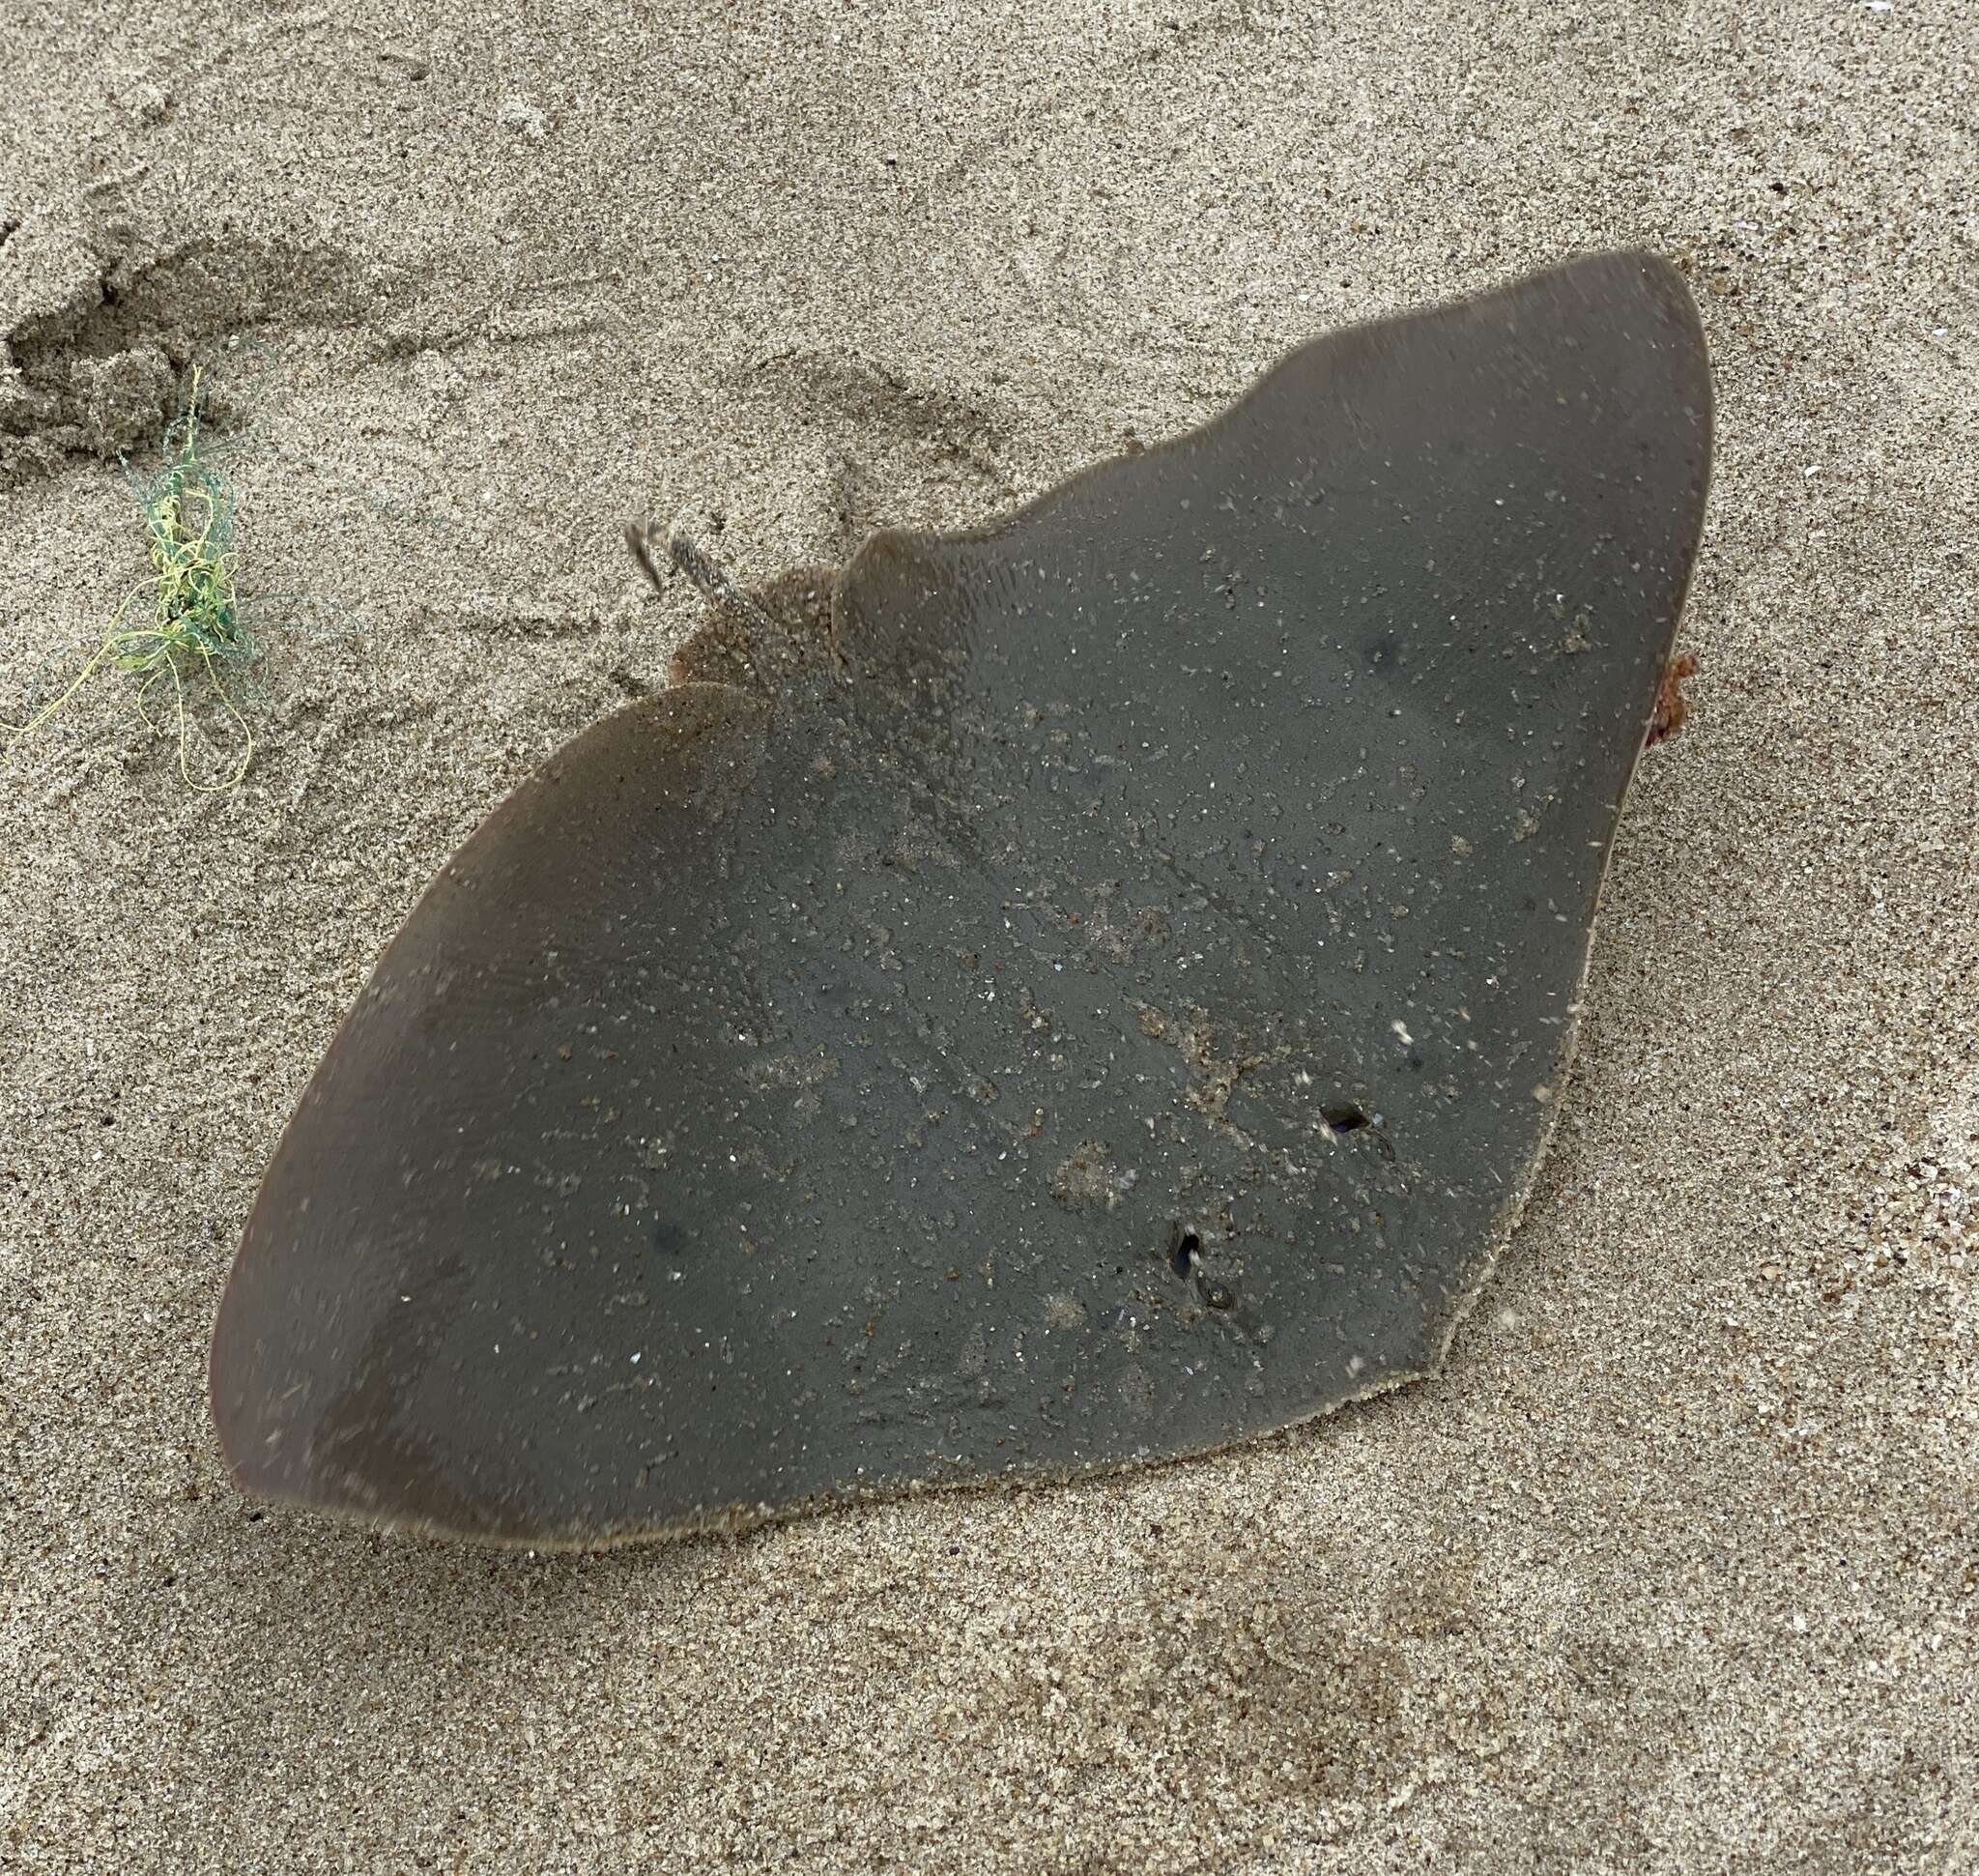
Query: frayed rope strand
(195,626)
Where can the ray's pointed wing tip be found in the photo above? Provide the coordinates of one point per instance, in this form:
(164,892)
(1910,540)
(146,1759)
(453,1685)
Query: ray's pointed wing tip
(229,1396)
(1694,405)
(273,1464)
(1664,282)
(1664,276)
(1612,284)
(246,1416)
(1666,285)
(1627,266)
(1615,286)
(268,1449)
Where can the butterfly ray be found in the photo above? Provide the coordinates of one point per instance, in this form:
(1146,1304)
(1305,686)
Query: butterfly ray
(1087,991)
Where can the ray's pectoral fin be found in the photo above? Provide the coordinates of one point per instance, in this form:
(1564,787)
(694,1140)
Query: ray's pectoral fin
(1082,992)
(366,1356)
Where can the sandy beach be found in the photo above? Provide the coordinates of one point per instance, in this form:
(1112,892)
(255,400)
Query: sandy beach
(1675,1565)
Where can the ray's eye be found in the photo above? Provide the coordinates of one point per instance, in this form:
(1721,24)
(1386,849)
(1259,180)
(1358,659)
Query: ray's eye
(1188,1248)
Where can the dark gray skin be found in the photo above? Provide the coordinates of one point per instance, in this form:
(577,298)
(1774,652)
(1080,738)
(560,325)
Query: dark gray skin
(1078,994)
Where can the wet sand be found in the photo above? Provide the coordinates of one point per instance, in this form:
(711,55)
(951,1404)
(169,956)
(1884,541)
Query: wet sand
(1673,1569)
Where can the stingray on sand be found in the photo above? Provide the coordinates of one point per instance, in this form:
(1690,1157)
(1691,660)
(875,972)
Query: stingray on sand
(1078,993)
